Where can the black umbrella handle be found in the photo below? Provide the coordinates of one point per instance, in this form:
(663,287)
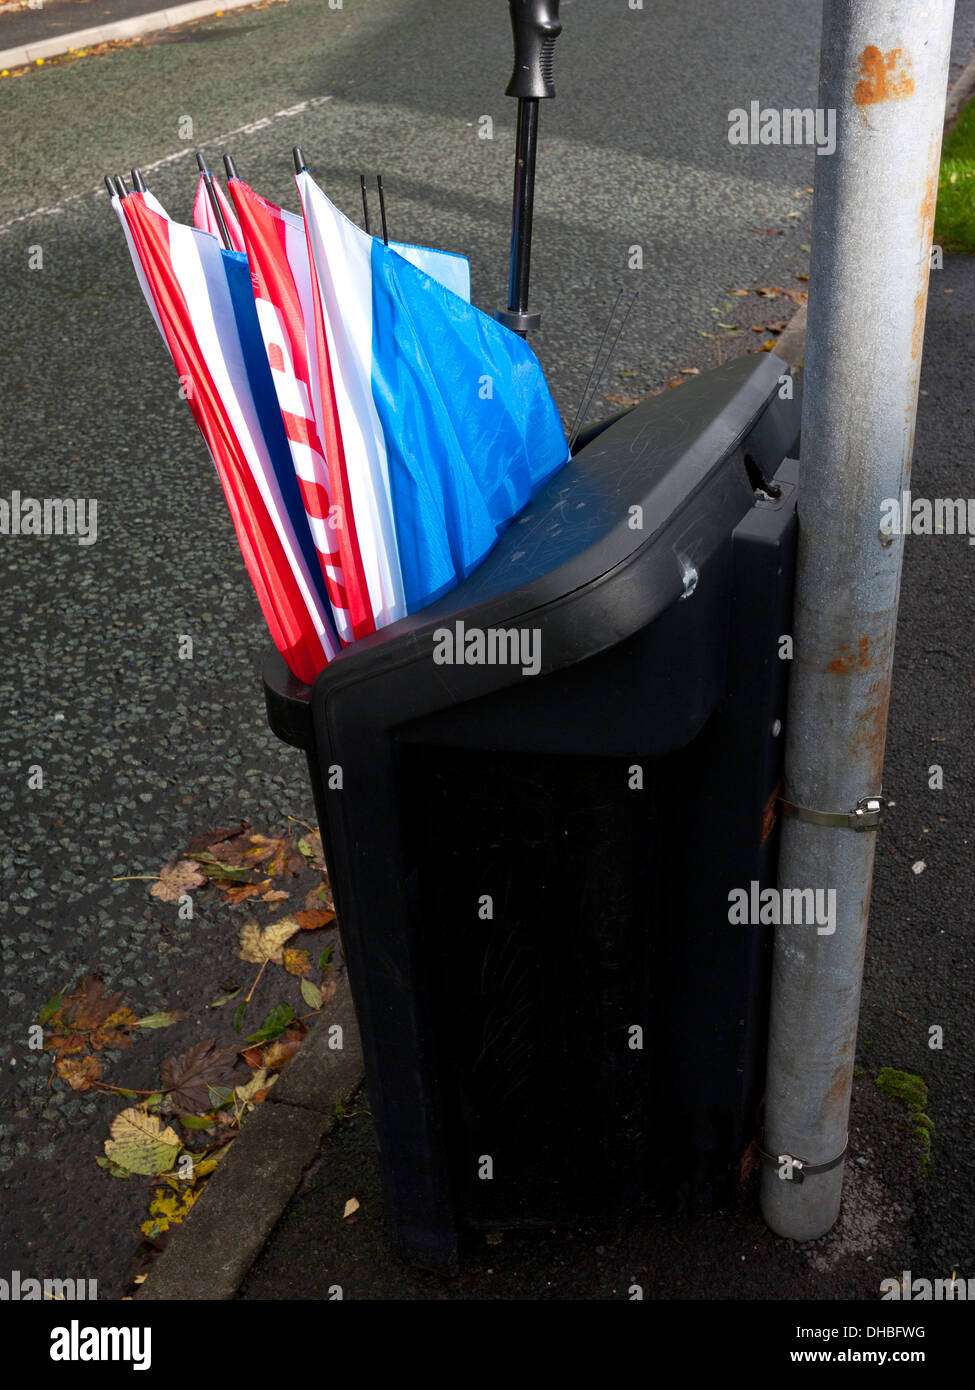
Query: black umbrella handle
(535,25)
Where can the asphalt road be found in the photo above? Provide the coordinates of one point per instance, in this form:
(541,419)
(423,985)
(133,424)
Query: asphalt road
(138,748)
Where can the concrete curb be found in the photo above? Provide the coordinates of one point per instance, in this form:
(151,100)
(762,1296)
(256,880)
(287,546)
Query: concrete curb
(121,29)
(211,1252)
(791,344)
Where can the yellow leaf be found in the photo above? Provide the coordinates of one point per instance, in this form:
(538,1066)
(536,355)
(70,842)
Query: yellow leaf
(141,1144)
(166,1209)
(257,945)
(297,962)
(351,1205)
(260,1079)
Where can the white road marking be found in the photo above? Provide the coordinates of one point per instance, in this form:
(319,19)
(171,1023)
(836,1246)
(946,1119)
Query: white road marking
(190,148)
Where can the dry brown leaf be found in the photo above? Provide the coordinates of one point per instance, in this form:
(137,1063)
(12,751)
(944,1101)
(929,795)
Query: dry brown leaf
(79,1072)
(279,1052)
(175,880)
(313,918)
(351,1205)
(258,945)
(319,897)
(189,1076)
(240,892)
(88,1007)
(275,895)
(209,839)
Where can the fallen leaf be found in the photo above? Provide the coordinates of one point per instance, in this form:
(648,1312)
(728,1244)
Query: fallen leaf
(239,893)
(351,1205)
(313,918)
(310,846)
(206,1166)
(159,1020)
(188,1076)
(222,999)
(276,895)
(297,962)
(274,1025)
(311,994)
(209,838)
(113,1168)
(168,1208)
(254,1057)
(220,872)
(258,945)
(51,1007)
(116,1031)
(277,1053)
(260,1081)
(175,880)
(141,1144)
(320,897)
(79,1072)
(769,231)
(88,1007)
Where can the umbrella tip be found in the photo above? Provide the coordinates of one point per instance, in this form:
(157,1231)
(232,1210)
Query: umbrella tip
(299,159)
(112,191)
(230,166)
(138,182)
(201,163)
(120,187)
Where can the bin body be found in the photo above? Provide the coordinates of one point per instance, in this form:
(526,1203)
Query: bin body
(532,855)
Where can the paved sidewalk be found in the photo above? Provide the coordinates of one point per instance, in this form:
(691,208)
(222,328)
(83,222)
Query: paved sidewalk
(29,35)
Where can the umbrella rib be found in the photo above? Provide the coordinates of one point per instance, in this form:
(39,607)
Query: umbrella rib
(602,370)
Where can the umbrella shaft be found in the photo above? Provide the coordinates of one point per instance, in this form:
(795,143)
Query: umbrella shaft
(521,225)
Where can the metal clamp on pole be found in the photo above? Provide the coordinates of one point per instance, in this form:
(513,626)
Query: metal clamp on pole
(866,814)
(796,1169)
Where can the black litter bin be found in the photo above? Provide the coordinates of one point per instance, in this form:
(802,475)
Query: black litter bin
(531,854)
